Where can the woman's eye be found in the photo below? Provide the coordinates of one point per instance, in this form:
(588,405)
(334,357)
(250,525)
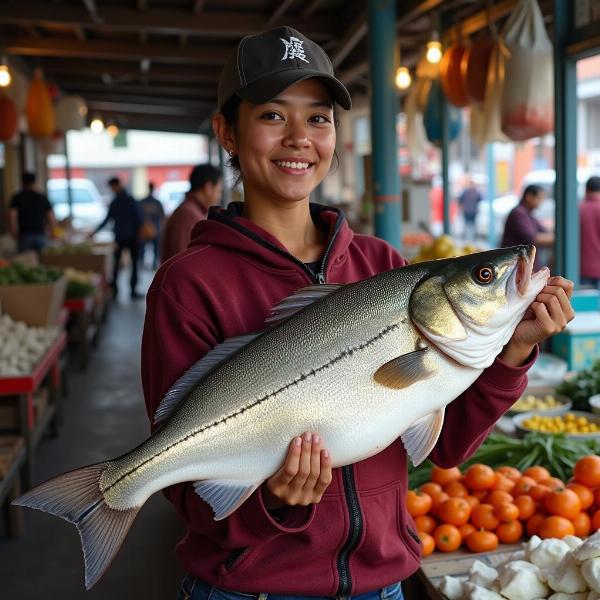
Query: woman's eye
(320,119)
(484,274)
(271,116)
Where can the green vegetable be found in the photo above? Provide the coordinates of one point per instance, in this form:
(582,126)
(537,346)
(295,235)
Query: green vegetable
(79,289)
(17,273)
(555,452)
(581,386)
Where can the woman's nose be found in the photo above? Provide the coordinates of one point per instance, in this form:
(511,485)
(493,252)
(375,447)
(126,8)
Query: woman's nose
(296,135)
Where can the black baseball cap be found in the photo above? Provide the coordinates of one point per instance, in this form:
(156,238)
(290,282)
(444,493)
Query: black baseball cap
(263,65)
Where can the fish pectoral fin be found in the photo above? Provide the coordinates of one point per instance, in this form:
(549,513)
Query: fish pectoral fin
(420,438)
(404,370)
(225,497)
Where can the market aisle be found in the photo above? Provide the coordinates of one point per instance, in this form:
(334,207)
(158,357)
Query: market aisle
(104,417)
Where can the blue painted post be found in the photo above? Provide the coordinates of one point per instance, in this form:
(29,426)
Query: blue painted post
(491,193)
(566,244)
(386,179)
(445,162)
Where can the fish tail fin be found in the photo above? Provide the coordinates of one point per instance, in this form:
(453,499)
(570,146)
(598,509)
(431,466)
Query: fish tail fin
(77,498)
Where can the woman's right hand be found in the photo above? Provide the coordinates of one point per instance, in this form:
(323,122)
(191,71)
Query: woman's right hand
(303,477)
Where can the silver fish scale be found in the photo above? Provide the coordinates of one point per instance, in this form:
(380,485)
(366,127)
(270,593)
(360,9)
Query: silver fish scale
(232,413)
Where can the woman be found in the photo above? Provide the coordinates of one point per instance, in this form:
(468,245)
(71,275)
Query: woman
(310,530)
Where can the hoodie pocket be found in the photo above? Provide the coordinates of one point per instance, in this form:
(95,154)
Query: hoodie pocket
(235,560)
(407,529)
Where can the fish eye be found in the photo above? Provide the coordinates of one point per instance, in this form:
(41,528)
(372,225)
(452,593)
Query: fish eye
(484,274)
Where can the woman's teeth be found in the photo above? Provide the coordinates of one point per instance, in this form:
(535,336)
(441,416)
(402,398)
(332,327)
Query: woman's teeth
(292,165)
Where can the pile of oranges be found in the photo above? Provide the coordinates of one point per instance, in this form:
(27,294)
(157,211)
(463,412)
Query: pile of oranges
(483,507)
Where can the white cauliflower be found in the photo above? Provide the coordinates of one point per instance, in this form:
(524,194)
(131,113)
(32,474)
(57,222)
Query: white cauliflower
(477,592)
(563,596)
(481,574)
(521,580)
(566,576)
(589,549)
(451,587)
(572,541)
(590,569)
(548,553)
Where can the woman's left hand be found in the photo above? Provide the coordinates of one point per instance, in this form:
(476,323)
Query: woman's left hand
(547,316)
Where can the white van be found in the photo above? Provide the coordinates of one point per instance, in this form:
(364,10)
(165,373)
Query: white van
(172,193)
(89,209)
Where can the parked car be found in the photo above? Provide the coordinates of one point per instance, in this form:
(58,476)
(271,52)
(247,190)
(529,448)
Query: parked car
(172,193)
(88,207)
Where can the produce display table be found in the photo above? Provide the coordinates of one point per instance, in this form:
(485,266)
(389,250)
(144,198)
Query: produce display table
(24,387)
(12,461)
(457,564)
(83,325)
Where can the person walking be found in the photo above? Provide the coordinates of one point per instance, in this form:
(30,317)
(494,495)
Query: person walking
(206,185)
(589,214)
(469,202)
(126,218)
(310,530)
(30,216)
(153,216)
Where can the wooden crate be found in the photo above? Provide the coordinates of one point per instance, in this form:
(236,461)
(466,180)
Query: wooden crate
(10,445)
(9,408)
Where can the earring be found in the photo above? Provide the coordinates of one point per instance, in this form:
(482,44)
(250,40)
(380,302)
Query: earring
(231,153)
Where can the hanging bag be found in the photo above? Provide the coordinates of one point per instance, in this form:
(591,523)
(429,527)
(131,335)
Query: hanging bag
(528,93)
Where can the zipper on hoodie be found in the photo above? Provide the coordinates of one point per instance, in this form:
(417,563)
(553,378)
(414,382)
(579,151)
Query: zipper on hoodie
(354,533)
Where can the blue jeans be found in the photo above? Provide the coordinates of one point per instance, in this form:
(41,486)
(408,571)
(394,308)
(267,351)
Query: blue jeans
(32,241)
(194,589)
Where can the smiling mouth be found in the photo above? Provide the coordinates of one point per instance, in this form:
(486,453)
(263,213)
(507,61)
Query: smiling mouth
(297,165)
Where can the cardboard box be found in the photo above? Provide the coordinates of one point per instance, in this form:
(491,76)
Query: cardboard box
(36,304)
(98,261)
(579,343)
(585,300)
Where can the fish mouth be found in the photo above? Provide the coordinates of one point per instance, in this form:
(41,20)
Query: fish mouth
(525,275)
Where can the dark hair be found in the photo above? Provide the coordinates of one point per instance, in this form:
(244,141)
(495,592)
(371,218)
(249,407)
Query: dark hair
(593,184)
(532,190)
(203,174)
(230,113)
(114,181)
(150,187)
(28,178)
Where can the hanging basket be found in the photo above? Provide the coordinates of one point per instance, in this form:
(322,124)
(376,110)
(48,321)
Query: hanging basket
(39,109)
(70,113)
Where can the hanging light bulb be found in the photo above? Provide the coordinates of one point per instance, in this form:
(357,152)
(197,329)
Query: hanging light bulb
(5,76)
(403,78)
(434,49)
(112,130)
(97,126)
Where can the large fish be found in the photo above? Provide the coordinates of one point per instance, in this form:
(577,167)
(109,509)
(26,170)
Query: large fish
(388,353)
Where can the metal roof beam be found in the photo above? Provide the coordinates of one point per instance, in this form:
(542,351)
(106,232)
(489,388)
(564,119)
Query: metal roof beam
(99,105)
(282,6)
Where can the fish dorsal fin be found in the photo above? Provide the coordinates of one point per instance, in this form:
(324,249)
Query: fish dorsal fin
(192,376)
(420,438)
(404,370)
(225,496)
(298,300)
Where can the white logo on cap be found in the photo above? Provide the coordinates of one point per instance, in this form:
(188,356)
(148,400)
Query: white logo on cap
(294,49)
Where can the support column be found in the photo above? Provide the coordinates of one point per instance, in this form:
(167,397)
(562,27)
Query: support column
(566,244)
(445,162)
(384,104)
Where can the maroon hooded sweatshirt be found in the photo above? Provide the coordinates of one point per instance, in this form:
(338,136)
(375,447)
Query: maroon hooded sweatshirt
(360,537)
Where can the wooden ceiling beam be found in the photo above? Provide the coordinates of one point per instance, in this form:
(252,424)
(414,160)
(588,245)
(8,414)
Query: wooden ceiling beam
(310,8)
(155,20)
(149,122)
(281,8)
(118,88)
(147,109)
(198,6)
(116,50)
(141,5)
(351,38)
(152,101)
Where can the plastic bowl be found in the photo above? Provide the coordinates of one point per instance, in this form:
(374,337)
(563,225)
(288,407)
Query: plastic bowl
(564,406)
(521,431)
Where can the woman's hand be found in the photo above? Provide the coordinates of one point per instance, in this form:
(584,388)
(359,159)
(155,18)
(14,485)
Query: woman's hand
(547,316)
(304,476)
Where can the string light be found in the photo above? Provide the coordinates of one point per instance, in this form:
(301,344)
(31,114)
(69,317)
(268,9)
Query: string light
(403,78)
(5,76)
(97,126)
(434,51)
(112,130)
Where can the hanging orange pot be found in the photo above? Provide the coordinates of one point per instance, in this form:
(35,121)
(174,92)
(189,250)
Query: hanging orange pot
(474,67)
(39,108)
(9,118)
(451,76)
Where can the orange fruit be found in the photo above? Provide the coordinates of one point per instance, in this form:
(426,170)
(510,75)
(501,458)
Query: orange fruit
(465,531)
(455,489)
(431,488)
(526,506)
(479,494)
(597,496)
(482,541)
(447,538)
(596,521)
(479,477)
(554,483)
(534,522)
(509,472)
(564,503)
(455,511)
(498,497)
(502,483)
(539,491)
(473,500)
(509,533)
(427,543)
(436,500)
(507,512)
(582,524)
(587,471)
(586,496)
(483,517)
(537,473)
(418,503)
(425,523)
(445,476)
(555,527)
(523,486)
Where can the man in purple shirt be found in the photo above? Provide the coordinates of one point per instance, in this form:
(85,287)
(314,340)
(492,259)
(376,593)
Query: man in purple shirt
(590,233)
(522,227)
